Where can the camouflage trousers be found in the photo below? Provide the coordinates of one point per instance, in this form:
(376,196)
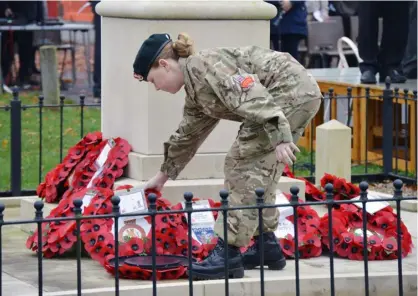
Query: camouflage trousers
(251,163)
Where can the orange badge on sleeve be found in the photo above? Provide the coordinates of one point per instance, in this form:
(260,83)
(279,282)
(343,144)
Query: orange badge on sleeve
(245,83)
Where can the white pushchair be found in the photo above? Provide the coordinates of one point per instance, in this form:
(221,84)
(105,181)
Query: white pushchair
(343,105)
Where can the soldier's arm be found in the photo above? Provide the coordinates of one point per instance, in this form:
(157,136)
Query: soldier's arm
(243,94)
(182,145)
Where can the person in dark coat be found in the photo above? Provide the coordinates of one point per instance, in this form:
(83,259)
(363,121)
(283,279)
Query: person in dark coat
(409,62)
(21,12)
(274,26)
(97,72)
(293,26)
(384,59)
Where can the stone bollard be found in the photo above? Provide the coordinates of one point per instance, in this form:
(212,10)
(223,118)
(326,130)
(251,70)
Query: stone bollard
(333,151)
(49,74)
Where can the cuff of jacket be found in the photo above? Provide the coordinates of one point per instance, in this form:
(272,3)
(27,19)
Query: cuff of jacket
(170,169)
(284,135)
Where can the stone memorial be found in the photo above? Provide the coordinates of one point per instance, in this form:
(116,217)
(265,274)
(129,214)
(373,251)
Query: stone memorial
(145,117)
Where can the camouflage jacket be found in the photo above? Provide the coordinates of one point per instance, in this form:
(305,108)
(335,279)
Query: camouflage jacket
(239,84)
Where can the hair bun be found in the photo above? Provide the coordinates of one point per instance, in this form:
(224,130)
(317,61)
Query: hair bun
(183,46)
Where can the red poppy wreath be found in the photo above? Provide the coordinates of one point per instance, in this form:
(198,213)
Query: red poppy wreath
(171,240)
(347,227)
(92,162)
(56,180)
(98,163)
(309,235)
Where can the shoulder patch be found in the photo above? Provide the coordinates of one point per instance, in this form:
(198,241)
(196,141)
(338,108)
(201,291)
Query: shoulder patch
(245,82)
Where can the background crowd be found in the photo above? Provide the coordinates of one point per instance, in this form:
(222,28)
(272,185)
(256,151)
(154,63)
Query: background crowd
(394,55)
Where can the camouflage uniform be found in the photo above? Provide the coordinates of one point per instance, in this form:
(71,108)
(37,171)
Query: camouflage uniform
(274,97)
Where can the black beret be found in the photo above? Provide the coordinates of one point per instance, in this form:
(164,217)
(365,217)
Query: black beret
(148,52)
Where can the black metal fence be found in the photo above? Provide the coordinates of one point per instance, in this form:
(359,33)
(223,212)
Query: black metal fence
(225,207)
(17,111)
(394,156)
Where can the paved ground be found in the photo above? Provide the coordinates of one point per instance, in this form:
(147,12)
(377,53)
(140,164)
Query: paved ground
(20,266)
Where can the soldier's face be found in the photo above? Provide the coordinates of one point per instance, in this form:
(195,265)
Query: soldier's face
(167,76)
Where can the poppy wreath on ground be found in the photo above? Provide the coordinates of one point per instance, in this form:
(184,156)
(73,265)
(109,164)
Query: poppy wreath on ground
(59,237)
(56,183)
(171,235)
(97,235)
(347,233)
(309,235)
(100,168)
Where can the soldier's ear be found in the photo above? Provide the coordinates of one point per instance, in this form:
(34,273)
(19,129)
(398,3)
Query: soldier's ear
(164,63)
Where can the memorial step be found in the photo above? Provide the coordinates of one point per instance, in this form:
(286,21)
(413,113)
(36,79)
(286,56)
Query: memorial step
(173,191)
(207,188)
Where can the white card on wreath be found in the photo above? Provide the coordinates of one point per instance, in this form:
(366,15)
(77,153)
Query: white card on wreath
(87,199)
(203,223)
(201,217)
(372,207)
(132,201)
(129,227)
(203,233)
(285,227)
(284,211)
(100,161)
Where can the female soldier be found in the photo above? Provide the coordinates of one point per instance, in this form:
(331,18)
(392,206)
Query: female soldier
(271,94)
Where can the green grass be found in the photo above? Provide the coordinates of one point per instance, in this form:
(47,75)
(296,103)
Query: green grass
(50,137)
(302,166)
(71,135)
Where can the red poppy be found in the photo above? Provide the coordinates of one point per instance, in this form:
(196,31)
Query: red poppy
(327,178)
(312,239)
(92,138)
(124,187)
(134,246)
(175,273)
(355,252)
(390,245)
(91,240)
(341,186)
(288,246)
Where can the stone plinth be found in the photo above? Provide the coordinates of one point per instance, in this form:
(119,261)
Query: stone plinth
(173,192)
(27,212)
(208,188)
(333,150)
(146,118)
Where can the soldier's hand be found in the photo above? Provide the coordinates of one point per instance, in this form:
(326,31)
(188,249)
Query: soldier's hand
(285,153)
(157,182)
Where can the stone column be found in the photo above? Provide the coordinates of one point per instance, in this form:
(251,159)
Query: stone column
(333,150)
(146,117)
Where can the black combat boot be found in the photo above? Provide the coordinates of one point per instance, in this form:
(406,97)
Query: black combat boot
(213,267)
(273,256)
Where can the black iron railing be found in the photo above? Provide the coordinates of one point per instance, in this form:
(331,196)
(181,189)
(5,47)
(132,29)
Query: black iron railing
(225,207)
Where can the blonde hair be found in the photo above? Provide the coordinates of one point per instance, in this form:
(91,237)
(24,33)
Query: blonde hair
(181,48)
